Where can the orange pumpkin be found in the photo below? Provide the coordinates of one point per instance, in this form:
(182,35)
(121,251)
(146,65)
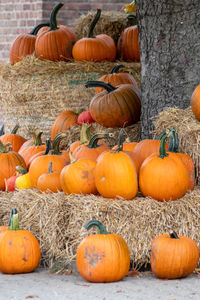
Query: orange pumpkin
(163,176)
(115,78)
(19,249)
(24,44)
(173,256)
(195,102)
(102,257)
(127,146)
(116,106)
(56,43)
(78,177)
(43,152)
(85,137)
(9,160)
(49,182)
(13,138)
(63,121)
(95,48)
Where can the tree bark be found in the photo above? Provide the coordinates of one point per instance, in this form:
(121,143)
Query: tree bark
(169,35)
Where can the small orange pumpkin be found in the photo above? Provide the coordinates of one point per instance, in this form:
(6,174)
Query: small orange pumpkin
(49,182)
(173,256)
(102,257)
(16,140)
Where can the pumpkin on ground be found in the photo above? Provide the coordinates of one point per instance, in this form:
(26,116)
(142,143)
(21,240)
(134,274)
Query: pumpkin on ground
(56,43)
(173,256)
(16,140)
(115,174)
(19,249)
(195,102)
(102,257)
(116,106)
(115,78)
(95,48)
(49,182)
(163,176)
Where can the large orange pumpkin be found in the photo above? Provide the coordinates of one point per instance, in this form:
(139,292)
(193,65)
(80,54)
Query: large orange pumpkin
(116,106)
(116,78)
(56,43)
(16,140)
(102,257)
(173,256)
(95,48)
(19,249)
(195,102)
(163,176)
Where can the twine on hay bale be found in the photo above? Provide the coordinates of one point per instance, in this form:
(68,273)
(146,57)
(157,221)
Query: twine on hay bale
(111,23)
(33,92)
(57,221)
(188,128)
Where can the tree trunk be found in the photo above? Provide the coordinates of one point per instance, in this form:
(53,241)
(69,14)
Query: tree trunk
(169,34)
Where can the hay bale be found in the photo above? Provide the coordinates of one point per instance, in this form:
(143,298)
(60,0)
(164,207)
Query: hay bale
(111,23)
(57,221)
(33,92)
(188,128)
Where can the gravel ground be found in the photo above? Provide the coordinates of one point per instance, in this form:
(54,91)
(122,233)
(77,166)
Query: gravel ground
(43,285)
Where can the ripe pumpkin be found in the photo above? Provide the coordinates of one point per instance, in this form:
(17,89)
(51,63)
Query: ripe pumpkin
(9,160)
(195,102)
(95,48)
(115,78)
(56,43)
(173,256)
(163,176)
(19,249)
(13,138)
(42,152)
(85,137)
(102,257)
(63,121)
(78,177)
(128,48)
(127,146)
(49,182)
(115,174)
(116,106)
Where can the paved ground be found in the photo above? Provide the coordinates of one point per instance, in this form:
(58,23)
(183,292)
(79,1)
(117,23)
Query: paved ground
(43,285)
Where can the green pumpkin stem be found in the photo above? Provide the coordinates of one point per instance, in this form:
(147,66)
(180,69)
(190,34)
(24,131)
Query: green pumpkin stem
(93,24)
(14,131)
(11,213)
(48,146)
(116,69)
(173,141)
(162,151)
(107,86)
(14,220)
(85,134)
(98,225)
(53,22)
(93,143)
(120,140)
(50,167)
(132,19)
(35,30)
(173,235)
(3,148)
(56,143)
(2,131)
(21,170)
(160,135)
(37,138)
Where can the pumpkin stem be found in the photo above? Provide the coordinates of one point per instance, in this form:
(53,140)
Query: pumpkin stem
(21,170)
(50,167)
(93,143)
(53,22)
(48,146)
(11,213)
(162,151)
(160,135)
(120,140)
(173,141)
(116,69)
(37,138)
(132,19)
(85,134)
(56,143)
(14,131)
(173,235)
(14,220)
(107,86)
(93,24)
(35,30)
(3,147)
(2,130)
(98,225)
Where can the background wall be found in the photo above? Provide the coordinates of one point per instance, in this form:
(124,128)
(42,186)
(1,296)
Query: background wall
(20,16)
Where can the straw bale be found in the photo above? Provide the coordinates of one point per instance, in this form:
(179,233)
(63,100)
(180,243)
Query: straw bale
(57,221)
(33,92)
(111,23)
(188,128)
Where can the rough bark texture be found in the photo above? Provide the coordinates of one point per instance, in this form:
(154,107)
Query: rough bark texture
(169,33)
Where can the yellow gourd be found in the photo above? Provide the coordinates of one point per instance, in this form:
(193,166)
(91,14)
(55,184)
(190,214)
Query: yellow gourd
(23,181)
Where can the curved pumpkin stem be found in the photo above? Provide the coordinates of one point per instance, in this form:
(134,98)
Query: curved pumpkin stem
(116,69)
(107,86)
(2,131)
(3,147)
(53,22)
(35,30)
(173,141)
(14,220)
(21,170)
(56,143)
(11,213)
(132,19)
(14,131)
(173,235)
(85,135)
(120,140)
(95,138)
(98,225)
(93,24)
(162,151)
(37,138)
(48,146)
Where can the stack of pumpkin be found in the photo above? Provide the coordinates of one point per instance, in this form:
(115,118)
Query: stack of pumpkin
(43,38)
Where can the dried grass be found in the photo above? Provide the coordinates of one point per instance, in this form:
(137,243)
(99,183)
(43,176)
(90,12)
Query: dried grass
(57,221)
(33,92)
(188,128)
